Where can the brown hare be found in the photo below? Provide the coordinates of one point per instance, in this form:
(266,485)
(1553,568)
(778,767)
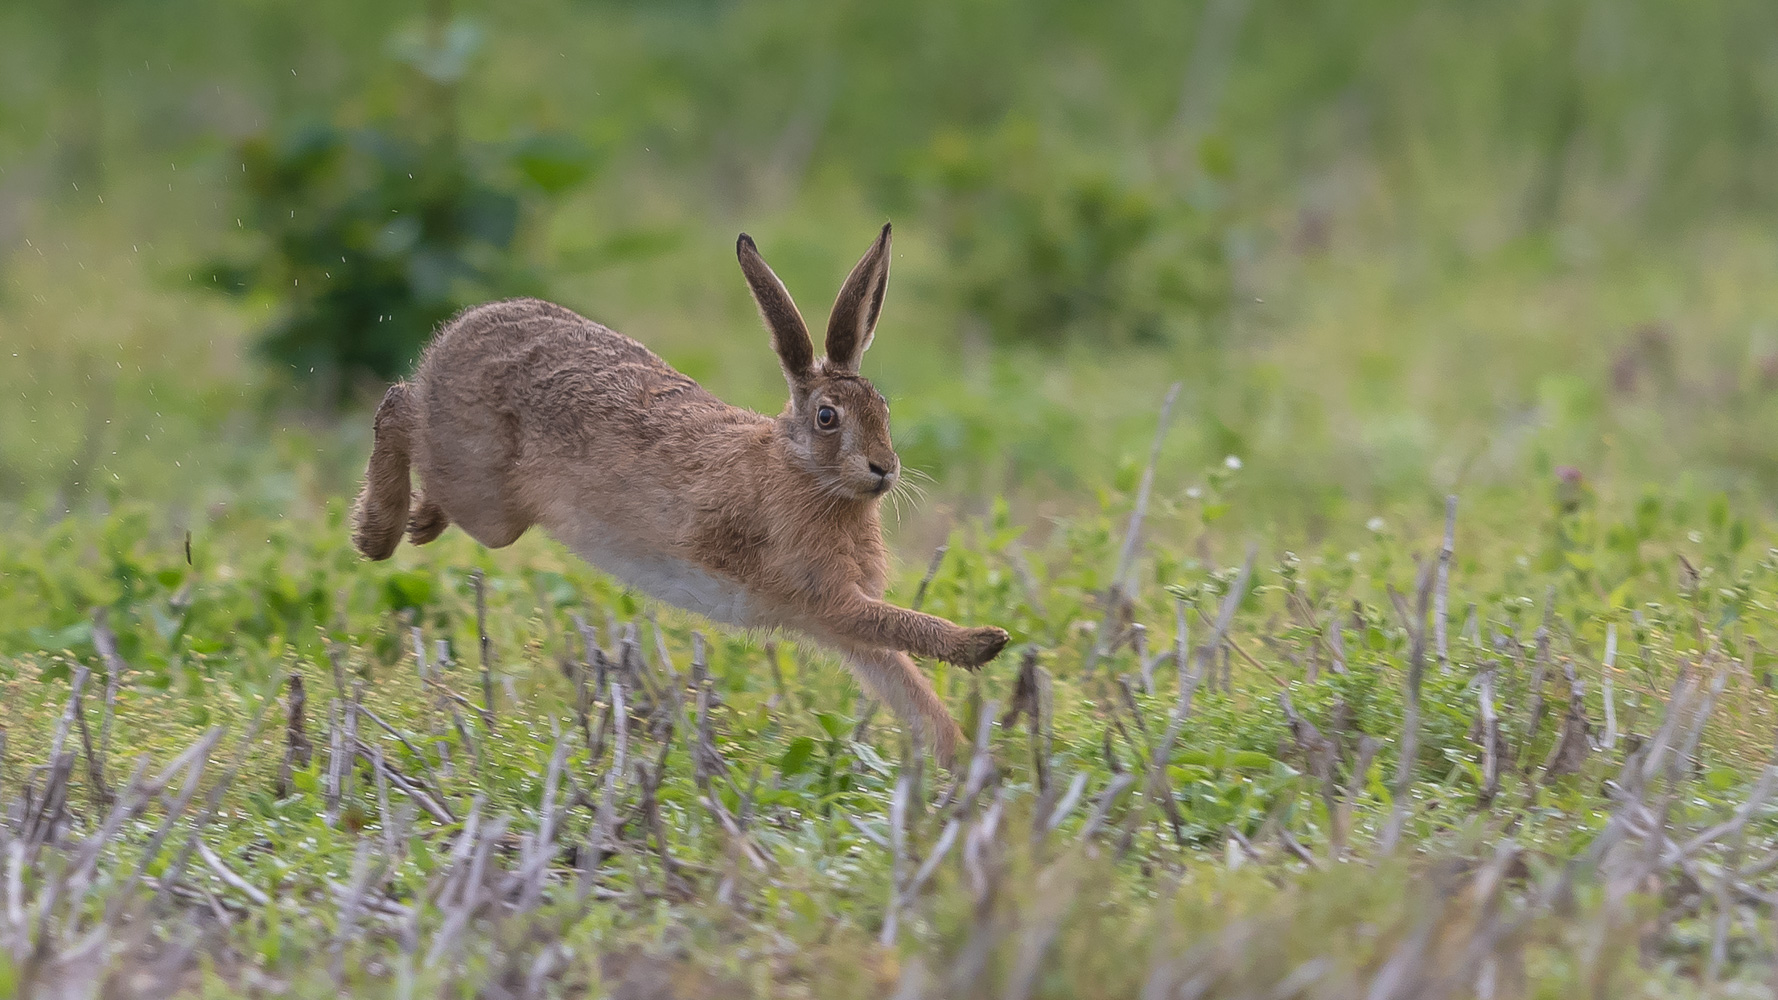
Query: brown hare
(522,412)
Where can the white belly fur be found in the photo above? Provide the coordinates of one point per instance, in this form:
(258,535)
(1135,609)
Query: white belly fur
(665,578)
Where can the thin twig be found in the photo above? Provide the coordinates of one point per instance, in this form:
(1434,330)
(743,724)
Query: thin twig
(1225,615)
(1410,737)
(115,669)
(1441,591)
(1606,668)
(230,876)
(487,647)
(1133,532)
(298,752)
(1489,723)
(938,558)
(1117,592)
(382,769)
(437,782)
(1540,670)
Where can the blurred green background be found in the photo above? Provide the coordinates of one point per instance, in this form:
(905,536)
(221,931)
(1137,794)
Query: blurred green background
(1391,248)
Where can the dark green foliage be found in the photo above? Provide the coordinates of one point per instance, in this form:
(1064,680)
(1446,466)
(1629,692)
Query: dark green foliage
(373,238)
(1043,249)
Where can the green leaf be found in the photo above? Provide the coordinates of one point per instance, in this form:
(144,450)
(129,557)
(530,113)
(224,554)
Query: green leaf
(407,589)
(75,636)
(835,726)
(796,758)
(868,755)
(1128,473)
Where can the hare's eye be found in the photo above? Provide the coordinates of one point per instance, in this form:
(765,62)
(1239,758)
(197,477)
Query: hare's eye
(826,417)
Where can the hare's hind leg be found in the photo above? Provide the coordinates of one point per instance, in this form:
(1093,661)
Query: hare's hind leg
(380,513)
(892,676)
(427,522)
(467,467)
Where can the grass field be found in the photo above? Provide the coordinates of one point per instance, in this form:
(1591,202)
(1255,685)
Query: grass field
(262,766)
(1424,649)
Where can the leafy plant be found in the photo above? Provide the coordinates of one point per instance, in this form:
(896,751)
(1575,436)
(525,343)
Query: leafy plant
(372,236)
(1044,248)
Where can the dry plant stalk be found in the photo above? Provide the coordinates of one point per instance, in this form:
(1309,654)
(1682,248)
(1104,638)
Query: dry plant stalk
(1117,593)
(507,889)
(1415,623)
(298,751)
(486,646)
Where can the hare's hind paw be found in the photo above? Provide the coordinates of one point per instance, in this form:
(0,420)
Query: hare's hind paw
(427,522)
(980,645)
(376,531)
(374,540)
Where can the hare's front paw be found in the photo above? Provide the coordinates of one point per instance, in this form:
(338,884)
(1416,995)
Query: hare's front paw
(980,645)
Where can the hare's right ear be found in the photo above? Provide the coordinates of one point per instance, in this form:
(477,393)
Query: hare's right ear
(854,318)
(790,337)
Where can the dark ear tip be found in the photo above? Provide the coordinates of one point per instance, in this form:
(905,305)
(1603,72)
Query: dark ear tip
(885,231)
(745,242)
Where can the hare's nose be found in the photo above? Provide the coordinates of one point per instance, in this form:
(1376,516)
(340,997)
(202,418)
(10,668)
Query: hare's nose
(878,470)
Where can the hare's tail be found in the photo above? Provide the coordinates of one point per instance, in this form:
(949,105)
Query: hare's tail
(380,514)
(891,676)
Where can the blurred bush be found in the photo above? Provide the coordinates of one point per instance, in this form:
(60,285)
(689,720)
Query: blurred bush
(373,236)
(1043,247)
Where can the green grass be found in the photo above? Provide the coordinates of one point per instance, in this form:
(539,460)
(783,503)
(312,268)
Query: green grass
(212,642)
(1363,387)
(1518,252)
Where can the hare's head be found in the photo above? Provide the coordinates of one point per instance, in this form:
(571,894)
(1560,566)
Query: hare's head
(837,424)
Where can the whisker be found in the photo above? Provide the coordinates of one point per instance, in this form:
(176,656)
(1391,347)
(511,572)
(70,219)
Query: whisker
(911,492)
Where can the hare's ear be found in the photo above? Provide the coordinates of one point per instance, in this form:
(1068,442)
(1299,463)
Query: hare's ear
(855,312)
(790,337)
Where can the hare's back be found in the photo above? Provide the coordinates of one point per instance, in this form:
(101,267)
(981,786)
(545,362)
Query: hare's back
(552,370)
(517,339)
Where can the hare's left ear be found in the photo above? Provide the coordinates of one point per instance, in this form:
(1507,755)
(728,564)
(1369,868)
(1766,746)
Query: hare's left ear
(855,312)
(790,337)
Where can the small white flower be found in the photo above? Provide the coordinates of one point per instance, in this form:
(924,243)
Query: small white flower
(1697,537)
(1233,462)
(1351,557)
(1195,493)
(1375,524)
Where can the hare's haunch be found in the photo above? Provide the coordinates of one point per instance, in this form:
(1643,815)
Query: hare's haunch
(523,412)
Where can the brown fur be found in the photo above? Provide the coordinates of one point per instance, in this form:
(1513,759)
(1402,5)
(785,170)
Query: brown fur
(523,412)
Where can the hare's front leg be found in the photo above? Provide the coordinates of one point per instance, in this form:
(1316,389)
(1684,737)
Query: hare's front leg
(879,623)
